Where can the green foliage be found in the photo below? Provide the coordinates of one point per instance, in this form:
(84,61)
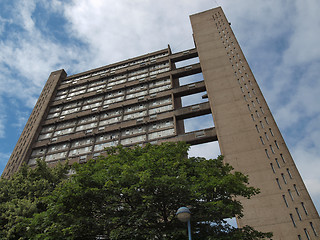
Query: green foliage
(24,194)
(133,193)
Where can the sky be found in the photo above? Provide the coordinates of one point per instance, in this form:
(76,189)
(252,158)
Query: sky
(278,37)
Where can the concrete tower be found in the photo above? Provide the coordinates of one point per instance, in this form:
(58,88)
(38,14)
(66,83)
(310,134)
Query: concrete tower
(138,101)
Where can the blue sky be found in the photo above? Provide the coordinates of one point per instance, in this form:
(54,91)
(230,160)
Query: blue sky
(278,37)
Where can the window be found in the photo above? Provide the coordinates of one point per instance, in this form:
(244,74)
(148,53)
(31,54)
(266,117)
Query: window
(56,156)
(272,168)
(285,200)
(258,115)
(66,124)
(293,222)
(277,163)
(266,150)
(102,146)
(296,189)
(289,173)
(284,179)
(133,140)
(261,139)
(254,92)
(299,216)
(161,134)
(307,234)
(79,151)
(277,180)
(261,123)
(283,160)
(63,132)
(276,143)
(290,194)
(304,208)
(271,132)
(86,127)
(313,229)
(58,147)
(82,142)
(44,136)
(271,148)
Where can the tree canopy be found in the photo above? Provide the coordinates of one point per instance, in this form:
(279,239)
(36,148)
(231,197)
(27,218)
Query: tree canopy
(132,193)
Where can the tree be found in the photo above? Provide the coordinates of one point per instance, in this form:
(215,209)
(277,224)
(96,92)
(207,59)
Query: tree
(134,193)
(24,195)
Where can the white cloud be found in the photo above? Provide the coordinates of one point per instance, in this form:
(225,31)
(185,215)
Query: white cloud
(29,55)
(206,150)
(123,29)
(304,41)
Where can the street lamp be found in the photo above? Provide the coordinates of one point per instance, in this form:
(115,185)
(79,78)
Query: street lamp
(184,215)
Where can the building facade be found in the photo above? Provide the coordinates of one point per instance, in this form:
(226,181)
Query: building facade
(138,101)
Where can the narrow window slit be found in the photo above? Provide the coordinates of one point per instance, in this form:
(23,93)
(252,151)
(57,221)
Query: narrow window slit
(307,234)
(304,208)
(296,189)
(284,178)
(271,148)
(271,132)
(313,229)
(278,164)
(266,150)
(285,200)
(277,180)
(290,194)
(293,222)
(271,165)
(299,216)
(266,135)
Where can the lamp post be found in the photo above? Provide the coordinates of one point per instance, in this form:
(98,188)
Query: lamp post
(184,215)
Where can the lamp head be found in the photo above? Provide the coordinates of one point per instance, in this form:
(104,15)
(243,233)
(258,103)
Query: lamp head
(183,214)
